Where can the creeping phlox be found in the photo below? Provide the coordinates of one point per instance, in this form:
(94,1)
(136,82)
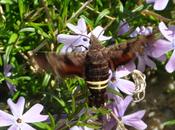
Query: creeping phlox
(18,120)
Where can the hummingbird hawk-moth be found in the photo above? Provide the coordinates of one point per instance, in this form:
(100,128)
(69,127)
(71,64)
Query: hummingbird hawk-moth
(93,65)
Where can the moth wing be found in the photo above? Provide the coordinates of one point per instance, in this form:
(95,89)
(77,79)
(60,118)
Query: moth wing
(120,55)
(63,65)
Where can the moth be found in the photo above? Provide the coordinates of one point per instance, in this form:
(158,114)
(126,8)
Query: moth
(93,65)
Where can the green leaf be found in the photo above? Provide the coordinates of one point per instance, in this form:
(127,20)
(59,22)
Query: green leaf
(121,8)
(73,104)
(42,126)
(28,29)
(46,80)
(52,121)
(169,123)
(62,103)
(139,8)
(13,38)
(7,54)
(1,60)
(23,78)
(6,1)
(39,29)
(101,15)
(21,8)
(113,91)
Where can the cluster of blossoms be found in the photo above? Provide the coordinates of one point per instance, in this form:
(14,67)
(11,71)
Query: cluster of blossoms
(80,42)
(118,108)
(156,50)
(165,45)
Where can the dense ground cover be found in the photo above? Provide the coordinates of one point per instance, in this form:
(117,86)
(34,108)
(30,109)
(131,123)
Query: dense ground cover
(28,27)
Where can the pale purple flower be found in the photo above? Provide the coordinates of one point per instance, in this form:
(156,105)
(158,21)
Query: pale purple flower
(8,73)
(118,83)
(80,128)
(164,46)
(158,4)
(81,38)
(143,58)
(18,120)
(123,27)
(119,107)
(143,30)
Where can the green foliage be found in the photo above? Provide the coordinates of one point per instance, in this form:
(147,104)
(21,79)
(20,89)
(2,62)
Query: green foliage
(32,25)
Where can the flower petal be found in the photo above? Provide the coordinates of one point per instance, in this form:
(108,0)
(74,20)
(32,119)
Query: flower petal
(18,108)
(98,32)
(82,26)
(87,128)
(123,28)
(75,128)
(67,39)
(149,62)
(122,104)
(160,4)
(33,114)
(74,43)
(25,126)
(161,47)
(14,127)
(7,69)
(109,125)
(80,128)
(73,28)
(6,119)
(125,70)
(145,31)
(126,86)
(141,63)
(113,85)
(150,1)
(167,33)
(134,120)
(11,87)
(170,66)
(161,58)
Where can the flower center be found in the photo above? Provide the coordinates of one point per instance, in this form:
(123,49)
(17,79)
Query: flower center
(19,120)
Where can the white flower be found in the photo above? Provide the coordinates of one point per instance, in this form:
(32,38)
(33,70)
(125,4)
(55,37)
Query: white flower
(18,120)
(80,40)
(80,128)
(158,4)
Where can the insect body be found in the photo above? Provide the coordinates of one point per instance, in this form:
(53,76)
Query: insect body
(93,65)
(96,73)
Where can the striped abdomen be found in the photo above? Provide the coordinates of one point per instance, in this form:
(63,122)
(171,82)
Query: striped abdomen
(96,74)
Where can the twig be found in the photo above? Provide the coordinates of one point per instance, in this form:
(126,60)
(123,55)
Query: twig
(80,10)
(120,123)
(147,12)
(41,45)
(46,10)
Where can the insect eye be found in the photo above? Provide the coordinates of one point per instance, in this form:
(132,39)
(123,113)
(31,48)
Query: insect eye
(85,39)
